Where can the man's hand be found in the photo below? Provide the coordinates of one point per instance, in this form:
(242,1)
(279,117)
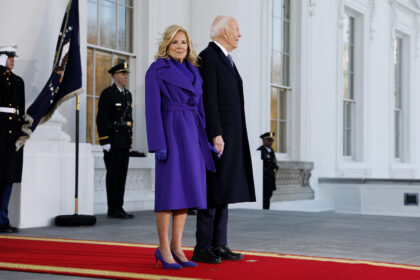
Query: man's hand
(213,150)
(219,144)
(106,147)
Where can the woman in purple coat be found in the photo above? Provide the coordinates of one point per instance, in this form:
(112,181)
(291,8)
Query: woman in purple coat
(176,134)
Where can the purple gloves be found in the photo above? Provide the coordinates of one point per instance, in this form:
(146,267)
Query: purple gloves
(161,155)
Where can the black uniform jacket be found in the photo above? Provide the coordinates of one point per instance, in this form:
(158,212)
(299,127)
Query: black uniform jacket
(270,168)
(224,109)
(11,96)
(114,120)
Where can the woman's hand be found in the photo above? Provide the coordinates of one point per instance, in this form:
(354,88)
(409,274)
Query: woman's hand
(161,155)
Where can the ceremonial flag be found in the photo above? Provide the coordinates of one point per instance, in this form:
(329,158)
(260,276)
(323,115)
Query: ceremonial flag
(66,77)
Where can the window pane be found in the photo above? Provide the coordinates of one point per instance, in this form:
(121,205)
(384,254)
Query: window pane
(124,28)
(347,143)
(346,94)
(283,105)
(277,8)
(276,65)
(89,78)
(351,86)
(274,103)
(286,10)
(89,119)
(285,77)
(351,30)
(108,24)
(120,59)
(92,22)
(129,30)
(96,112)
(103,79)
(347,128)
(346,67)
(283,137)
(397,134)
(349,115)
(274,128)
(286,37)
(277,34)
(126,2)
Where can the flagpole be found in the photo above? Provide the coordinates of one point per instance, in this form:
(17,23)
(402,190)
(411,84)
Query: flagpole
(76,219)
(76,193)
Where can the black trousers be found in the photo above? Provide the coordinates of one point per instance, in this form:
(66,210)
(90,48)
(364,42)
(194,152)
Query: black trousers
(268,187)
(266,199)
(5,193)
(116,162)
(212,227)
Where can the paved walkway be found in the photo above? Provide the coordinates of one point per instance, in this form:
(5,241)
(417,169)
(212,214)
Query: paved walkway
(326,234)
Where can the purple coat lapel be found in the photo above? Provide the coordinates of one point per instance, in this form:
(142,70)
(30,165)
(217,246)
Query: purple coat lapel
(170,74)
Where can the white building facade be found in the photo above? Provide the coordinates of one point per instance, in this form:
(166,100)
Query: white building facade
(337,80)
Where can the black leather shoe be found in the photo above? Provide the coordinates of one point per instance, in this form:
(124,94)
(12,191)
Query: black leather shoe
(120,215)
(205,256)
(129,216)
(8,229)
(226,254)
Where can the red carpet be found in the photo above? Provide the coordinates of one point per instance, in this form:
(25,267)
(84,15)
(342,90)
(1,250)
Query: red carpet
(135,261)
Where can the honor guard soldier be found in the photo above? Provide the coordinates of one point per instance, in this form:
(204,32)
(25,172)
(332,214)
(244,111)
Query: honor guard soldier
(115,128)
(270,167)
(12,109)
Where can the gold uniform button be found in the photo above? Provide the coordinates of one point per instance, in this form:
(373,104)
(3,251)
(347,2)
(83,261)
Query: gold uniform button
(10,118)
(10,132)
(10,105)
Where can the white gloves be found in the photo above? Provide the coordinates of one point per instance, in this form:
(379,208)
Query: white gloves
(106,147)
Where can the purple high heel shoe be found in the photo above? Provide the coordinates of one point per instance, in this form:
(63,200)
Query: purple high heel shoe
(165,265)
(184,264)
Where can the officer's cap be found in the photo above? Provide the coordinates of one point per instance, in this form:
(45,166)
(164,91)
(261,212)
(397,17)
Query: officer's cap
(9,50)
(268,135)
(119,68)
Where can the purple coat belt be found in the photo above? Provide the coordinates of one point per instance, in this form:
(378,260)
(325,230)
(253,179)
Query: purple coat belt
(201,132)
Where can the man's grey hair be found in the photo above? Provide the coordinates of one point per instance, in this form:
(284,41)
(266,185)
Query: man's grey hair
(219,23)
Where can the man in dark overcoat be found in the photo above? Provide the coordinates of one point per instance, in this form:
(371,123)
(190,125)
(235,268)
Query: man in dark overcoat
(114,123)
(226,128)
(270,167)
(12,109)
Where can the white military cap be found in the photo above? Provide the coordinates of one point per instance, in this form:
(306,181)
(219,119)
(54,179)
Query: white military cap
(9,50)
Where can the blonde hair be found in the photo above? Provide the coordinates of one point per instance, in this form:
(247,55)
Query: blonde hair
(168,37)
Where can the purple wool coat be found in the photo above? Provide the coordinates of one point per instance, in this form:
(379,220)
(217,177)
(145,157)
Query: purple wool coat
(175,122)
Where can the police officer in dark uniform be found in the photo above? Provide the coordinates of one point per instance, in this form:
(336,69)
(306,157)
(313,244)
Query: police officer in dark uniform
(270,167)
(12,109)
(114,123)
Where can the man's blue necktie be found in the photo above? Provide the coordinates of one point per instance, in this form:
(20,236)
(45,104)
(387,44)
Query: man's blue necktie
(230,60)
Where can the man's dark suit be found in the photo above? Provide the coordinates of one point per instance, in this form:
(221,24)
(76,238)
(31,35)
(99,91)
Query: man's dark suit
(233,181)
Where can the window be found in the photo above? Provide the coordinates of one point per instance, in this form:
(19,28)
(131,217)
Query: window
(349,100)
(280,73)
(110,39)
(398,98)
